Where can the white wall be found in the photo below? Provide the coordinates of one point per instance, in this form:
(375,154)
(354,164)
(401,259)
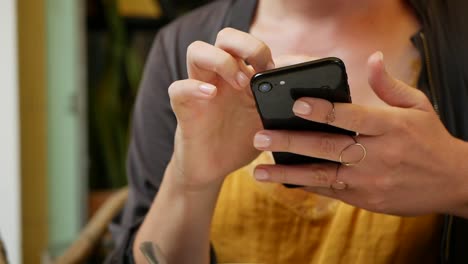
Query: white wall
(10,205)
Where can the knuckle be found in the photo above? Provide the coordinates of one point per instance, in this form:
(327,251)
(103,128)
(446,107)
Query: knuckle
(392,121)
(282,176)
(180,92)
(286,141)
(260,49)
(224,63)
(401,124)
(394,85)
(224,33)
(384,184)
(321,175)
(392,156)
(355,122)
(172,90)
(420,95)
(176,95)
(194,47)
(327,145)
(378,204)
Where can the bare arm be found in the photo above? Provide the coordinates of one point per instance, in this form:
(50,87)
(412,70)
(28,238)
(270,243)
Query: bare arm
(179,222)
(216,121)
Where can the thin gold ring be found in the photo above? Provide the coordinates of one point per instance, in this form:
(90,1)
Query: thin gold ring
(352,163)
(338,185)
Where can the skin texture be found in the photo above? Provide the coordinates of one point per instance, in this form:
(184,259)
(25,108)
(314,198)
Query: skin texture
(394,179)
(216,114)
(206,106)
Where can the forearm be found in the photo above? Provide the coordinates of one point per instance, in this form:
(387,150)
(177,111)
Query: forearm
(179,222)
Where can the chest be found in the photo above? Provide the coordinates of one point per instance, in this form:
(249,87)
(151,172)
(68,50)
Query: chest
(401,57)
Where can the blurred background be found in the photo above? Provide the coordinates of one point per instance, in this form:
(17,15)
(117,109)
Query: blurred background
(69,74)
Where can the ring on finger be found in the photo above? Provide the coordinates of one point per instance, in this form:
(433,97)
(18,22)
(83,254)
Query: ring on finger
(338,185)
(352,163)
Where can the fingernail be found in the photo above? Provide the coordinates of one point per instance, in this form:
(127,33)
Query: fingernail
(261,174)
(380,55)
(262,141)
(207,89)
(302,108)
(242,79)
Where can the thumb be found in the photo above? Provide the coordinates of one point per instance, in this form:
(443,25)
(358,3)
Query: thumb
(392,91)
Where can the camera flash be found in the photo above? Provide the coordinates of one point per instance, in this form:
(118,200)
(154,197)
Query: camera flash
(282,83)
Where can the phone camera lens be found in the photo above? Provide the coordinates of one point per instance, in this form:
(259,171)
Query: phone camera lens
(265,87)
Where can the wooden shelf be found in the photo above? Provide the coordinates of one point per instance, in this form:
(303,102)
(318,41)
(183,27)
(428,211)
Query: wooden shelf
(140,8)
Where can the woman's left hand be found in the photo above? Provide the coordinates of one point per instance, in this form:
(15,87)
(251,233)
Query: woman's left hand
(412,165)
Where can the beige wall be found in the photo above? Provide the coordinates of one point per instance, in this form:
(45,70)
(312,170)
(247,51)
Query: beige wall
(32,24)
(32,82)
(10,213)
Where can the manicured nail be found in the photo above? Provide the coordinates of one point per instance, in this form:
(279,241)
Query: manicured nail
(261,174)
(207,89)
(302,108)
(242,79)
(380,55)
(262,141)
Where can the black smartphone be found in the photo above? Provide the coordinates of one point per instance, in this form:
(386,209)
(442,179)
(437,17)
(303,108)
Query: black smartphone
(275,92)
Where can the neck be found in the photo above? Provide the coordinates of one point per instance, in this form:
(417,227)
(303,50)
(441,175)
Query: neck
(326,10)
(330,23)
(348,29)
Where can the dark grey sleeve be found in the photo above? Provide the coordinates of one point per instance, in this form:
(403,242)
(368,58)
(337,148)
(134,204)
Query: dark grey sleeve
(150,149)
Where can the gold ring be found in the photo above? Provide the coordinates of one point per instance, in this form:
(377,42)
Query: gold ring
(337,184)
(352,163)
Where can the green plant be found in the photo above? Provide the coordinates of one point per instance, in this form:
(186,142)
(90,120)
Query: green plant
(113,88)
(111,100)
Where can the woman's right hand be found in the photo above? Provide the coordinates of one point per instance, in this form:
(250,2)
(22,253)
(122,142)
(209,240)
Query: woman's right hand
(215,110)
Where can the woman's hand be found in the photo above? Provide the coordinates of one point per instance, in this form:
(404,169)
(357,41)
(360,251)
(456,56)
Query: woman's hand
(413,165)
(215,109)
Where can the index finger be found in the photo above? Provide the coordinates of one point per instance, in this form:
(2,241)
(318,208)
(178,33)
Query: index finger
(247,47)
(365,120)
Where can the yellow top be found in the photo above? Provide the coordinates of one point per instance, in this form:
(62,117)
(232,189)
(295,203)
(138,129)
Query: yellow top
(268,223)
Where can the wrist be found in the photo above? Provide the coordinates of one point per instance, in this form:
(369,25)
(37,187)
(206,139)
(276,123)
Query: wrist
(180,181)
(460,172)
(179,219)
